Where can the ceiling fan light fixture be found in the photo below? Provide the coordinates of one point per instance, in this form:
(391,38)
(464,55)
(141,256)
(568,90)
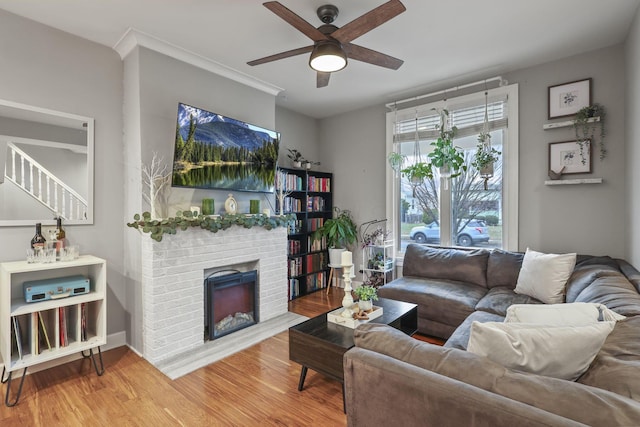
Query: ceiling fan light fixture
(328,57)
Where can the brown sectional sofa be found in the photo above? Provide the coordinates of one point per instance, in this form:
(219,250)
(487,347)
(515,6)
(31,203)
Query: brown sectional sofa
(425,384)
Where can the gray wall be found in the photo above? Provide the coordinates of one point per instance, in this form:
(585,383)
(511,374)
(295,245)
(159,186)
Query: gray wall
(633,141)
(51,69)
(588,219)
(583,218)
(300,132)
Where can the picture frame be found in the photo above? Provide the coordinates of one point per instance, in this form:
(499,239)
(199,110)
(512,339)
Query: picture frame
(567,99)
(570,157)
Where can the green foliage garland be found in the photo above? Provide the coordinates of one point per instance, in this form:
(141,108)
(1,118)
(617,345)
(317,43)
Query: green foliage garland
(183,220)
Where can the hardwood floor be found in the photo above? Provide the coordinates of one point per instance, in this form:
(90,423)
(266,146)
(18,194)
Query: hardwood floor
(257,386)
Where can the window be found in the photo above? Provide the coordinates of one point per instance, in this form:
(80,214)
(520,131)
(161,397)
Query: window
(460,211)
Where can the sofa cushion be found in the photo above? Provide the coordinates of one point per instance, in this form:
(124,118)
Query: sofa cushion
(588,269)
(570,314)
(565,398)
(503,268)
(460,337)
(448,264)
(617,366)
(614,291)
(563,352)
(544,276)
(498,300)
(445,301)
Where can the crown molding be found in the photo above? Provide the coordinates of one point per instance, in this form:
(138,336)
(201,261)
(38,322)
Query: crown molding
(133,38)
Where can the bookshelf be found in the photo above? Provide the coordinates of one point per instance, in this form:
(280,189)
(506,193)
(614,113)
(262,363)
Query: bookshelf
(310,199)
(38,332)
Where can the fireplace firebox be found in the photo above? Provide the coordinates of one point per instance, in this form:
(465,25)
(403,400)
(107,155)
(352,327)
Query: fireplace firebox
(230,303)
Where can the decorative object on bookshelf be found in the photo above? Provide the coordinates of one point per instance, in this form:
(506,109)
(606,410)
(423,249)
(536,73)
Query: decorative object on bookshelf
(183,220)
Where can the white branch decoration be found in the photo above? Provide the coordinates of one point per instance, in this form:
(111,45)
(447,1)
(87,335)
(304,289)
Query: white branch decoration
(155,178)
(282,193)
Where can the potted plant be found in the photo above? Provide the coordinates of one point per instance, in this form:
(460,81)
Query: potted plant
(377,237)
(340,231)
(296,157)
(366,295)
(445,155)
(395,161)
(585,126)
(485,157)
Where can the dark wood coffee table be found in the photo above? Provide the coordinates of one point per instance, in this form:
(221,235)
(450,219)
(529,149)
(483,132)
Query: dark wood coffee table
(320,345)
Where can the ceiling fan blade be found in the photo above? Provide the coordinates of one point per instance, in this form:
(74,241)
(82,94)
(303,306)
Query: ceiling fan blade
(300,24)
(281,55)
(363,54)
(322,79)
(368,21)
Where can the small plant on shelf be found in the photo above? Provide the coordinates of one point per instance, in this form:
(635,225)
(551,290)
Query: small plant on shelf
(375,279)
(586,126)
(377,237)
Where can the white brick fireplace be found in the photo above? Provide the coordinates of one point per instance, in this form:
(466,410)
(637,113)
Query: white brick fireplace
(173,272)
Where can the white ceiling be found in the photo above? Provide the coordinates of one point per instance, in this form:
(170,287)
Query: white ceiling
(443,43)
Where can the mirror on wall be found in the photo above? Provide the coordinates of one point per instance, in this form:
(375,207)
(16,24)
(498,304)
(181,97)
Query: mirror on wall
(46,166)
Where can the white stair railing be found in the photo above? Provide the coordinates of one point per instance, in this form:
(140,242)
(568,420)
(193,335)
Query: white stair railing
(44,186)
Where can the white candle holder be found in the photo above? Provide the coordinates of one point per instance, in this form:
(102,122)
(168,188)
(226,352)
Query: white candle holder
(347,301)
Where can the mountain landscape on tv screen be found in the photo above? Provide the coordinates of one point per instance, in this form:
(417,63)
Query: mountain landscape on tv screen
(215,129)
(214,151)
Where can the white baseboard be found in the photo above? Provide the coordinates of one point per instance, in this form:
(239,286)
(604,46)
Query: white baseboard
(113,341)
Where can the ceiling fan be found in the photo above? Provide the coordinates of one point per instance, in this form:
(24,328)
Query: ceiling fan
(332,45)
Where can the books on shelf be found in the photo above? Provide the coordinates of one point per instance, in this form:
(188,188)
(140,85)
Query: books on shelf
(62,319)
(314,223)
(318,184)
(317,244)
(315,262)
(292,204)
(83,321)
(17,334)
(295,267)
(315,204)
(294,288)
(289,181)
(43,329)
(315,281)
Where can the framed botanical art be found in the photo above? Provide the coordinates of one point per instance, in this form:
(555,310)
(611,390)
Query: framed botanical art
(569,157)
(568,98)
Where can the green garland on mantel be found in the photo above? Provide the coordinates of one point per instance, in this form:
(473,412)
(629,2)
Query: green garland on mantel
(183,220)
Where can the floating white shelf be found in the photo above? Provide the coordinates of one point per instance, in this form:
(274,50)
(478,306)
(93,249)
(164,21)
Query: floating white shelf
(555,125)
(573,181)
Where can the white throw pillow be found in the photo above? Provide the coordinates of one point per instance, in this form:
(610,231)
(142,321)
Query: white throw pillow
(544,276)
(558,351)
(572,314)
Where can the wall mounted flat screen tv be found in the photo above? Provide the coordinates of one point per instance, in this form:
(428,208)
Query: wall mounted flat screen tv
(216,152)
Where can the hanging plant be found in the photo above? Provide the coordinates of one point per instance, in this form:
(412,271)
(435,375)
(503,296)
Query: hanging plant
(586,129)
(445,155)
(396,160)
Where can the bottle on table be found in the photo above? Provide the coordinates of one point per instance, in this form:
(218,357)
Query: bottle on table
(38,241)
